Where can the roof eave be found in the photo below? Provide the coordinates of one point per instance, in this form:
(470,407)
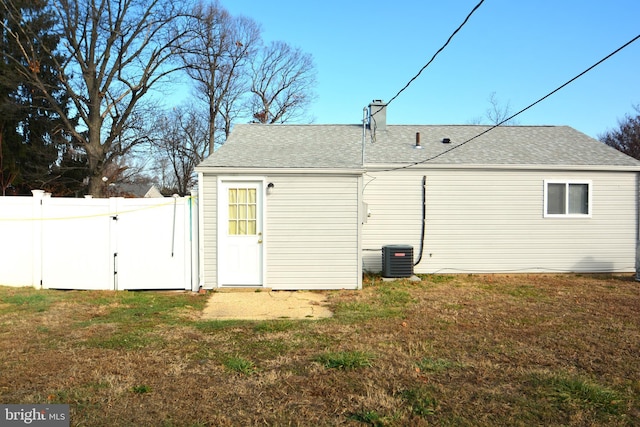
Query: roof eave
(235,170)
(422,166)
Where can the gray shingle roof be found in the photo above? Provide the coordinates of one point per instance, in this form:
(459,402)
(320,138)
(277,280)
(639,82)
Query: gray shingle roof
(340,147)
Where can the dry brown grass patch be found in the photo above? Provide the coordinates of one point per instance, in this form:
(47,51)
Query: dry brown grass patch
(513,350)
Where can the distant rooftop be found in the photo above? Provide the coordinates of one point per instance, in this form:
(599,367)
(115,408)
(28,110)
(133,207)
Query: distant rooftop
(134,190)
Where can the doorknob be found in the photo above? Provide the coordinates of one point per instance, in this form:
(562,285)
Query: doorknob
(260,241)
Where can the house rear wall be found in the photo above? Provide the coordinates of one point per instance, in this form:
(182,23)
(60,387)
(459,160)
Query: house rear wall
(313,232)
(492,221)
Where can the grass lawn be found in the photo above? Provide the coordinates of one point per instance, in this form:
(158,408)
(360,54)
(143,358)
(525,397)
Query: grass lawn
(464,350)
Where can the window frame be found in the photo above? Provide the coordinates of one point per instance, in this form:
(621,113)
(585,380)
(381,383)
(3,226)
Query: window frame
(567,183)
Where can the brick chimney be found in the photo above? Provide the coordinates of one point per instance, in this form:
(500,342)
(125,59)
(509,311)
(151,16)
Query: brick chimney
(377,115)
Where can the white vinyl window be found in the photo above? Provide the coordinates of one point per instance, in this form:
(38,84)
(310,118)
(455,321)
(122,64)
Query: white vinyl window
(567,198)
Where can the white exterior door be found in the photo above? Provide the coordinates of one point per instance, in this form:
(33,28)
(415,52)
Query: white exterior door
(240,245)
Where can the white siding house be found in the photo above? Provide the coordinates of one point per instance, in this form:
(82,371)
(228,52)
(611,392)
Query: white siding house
(319,202)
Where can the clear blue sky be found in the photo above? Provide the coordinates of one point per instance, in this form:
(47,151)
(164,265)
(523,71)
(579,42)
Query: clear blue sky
(521,50)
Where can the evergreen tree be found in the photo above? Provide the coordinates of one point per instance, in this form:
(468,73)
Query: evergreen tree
(34,143)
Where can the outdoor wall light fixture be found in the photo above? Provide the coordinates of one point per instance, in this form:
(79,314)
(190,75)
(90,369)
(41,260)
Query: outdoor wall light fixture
(270,187)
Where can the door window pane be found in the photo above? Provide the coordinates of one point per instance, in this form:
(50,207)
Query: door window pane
(243,211)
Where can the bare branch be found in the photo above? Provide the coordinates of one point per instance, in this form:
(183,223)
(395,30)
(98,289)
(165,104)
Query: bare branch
(282,83)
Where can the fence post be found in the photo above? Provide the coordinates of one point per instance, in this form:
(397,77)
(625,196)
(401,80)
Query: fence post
(194,235)
(36,246)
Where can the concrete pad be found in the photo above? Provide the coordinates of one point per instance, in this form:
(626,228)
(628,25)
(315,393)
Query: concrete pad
(412,278)
(266,305)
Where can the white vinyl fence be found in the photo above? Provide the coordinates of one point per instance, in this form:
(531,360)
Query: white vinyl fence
(108,244)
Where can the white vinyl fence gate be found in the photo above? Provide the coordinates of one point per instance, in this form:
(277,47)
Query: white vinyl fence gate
(99,244)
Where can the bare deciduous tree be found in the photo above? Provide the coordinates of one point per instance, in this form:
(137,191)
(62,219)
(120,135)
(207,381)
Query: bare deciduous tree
(216,59)
(237,76)
(626,137)
(112,54)
(496,114)
(179,145)
(282,85)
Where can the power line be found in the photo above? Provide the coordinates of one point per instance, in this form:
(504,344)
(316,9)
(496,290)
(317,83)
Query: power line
(521,111)
(437,53)
(372,129)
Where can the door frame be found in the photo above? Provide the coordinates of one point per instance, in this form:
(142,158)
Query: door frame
(221,225)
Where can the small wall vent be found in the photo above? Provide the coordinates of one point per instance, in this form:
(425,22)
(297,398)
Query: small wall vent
(397,261)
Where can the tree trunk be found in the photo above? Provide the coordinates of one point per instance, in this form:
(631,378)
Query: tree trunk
(212,127)
(96,187)
(96,158)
